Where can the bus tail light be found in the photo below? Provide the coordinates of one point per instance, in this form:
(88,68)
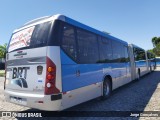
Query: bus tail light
(51,69)
(50,83)
(50,77)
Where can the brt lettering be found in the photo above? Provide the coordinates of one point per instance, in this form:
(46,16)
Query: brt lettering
(20,72)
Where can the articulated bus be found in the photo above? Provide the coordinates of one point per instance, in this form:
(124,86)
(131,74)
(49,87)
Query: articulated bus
(55,62)
(139,61)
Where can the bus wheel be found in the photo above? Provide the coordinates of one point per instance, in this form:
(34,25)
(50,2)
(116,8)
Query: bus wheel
(150,68)
(107,89)
(139,74)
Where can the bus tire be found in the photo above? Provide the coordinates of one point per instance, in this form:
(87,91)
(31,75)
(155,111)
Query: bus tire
(139,74)
(107,88)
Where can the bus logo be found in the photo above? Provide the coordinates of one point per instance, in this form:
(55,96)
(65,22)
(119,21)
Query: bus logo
(20,72)
(19,76)
(20,82)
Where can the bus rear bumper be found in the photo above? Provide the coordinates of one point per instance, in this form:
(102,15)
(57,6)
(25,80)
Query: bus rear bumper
(37,101)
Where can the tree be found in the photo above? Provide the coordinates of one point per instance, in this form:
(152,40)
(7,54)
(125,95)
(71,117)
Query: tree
(151,51)
(157,49)
(156,45)
(154,39)
(3,50)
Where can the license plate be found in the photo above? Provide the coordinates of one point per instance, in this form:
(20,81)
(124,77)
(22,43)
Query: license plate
(18,100)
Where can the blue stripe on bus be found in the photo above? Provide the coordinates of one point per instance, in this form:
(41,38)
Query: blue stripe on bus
(78,24)
(65,59)
(158,63)
(141,63)
(89,73)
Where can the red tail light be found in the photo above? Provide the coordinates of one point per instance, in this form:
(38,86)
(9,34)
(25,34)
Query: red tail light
(50,84)
(50,77)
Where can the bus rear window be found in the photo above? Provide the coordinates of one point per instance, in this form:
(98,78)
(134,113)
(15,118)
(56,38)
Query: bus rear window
(35,36)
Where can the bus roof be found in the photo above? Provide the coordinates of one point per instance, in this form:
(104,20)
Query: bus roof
(136,46)
(83,26)
(70,21)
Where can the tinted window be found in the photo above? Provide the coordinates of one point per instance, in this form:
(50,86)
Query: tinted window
(148,55)
(152,56)
(157,59)
(35,36)
(40,34)
(118,52)
(69,42)
(139,54)
(87,47)
(105,50)
(126,54)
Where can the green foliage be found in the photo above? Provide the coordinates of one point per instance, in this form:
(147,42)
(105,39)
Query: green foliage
(156,45)
(3,50)
(155,41)
(2,73)
(151,51)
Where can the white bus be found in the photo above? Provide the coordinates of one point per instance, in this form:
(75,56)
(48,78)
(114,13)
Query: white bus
(55,62)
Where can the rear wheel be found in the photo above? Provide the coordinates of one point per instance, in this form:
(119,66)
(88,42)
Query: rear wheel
(139,74)
(107,89)
(150,69)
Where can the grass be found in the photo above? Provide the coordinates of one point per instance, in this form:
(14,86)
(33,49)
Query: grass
(2,73)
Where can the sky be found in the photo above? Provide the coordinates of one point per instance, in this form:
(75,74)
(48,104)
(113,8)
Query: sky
(134,21)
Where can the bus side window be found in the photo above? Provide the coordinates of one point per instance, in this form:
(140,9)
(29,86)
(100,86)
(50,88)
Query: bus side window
(126,54)
(40,35)
(87,47)
(68,41)
(105,50)
(139,54)
(118,52)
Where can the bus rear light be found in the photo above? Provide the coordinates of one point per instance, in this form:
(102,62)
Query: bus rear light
(50,83)
(51,69)
(50,77)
